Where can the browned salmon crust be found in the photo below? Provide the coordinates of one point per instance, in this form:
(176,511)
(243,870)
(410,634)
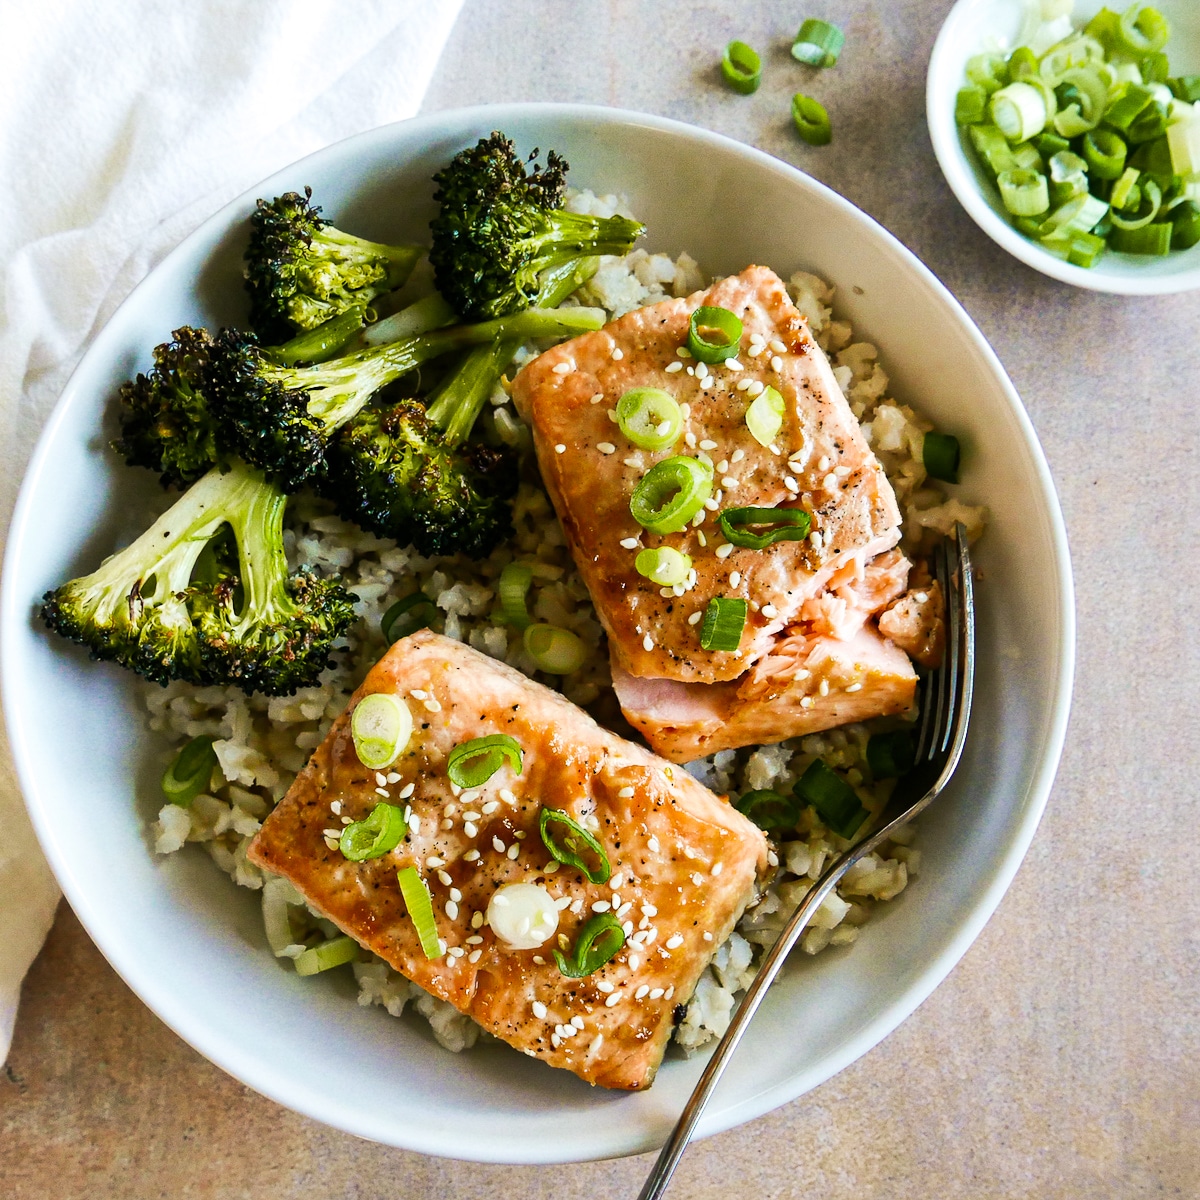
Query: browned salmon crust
(684,862)
(819,461)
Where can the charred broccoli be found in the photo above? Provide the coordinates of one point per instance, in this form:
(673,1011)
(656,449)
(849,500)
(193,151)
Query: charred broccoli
(498,228)
(301,270)
(153,608)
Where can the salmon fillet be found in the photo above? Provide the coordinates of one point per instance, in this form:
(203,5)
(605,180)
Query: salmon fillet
(684,862)
(818,461)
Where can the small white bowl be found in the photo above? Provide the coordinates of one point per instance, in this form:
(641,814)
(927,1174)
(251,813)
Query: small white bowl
(977,25)
(191,944)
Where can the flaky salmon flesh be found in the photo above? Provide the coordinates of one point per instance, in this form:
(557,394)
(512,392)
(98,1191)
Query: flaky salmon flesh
(684,863)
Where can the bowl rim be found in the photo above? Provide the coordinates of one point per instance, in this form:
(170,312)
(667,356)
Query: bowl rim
(204,1036)
(943,135)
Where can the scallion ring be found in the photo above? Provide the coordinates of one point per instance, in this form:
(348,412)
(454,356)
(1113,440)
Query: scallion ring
(1018,111)
(373,837)
(650,418)
(724,620)
(1105,153)
(742,67)
(1142,30)
(768,809)
(940,454)
(1185,226)
(818,43)
(420,910)
(764,417)
(714,334)
(811,120)
(663,565)
(600,939)
(1024,193)
(514,584)
(970,105)
(412,612)
(473,763)
(1147,210)
(1153,239)
(671,493)
(555,651)
(190,772)
(326,956)
(835,801)
(775,524)
(568,847)
(381,726)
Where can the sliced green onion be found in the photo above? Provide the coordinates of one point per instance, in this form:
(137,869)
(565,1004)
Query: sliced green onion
(1068,177)
(768,809)
(407,615)
(1105,153)
(381,726)
(650,418)
(818,43)
(1083,213)
(892,754)
(1089,95)
(742,67)
(714,334)
(764,417)
(569,847)
(1185,226)
(836,802)
(1126,104)
(664,565)
(1123,189)
(1156,67)
(1018,111)
(940,453)
(1185,88)
(774,524)
(1150,123)
(1183,139)
(724,620)
(599,940)
(993,148)
(324,957)
(382,831)
(514,585)
(555,651)
(323,342)
(1105,28)
(1027,158)
(812,121)
(1049,144)
(970,105)
(1022,64)
(1024,193)
(1142,30)
(671,493)
(1147,210)
(1153,240)
(471,764)
(988,71)
(1082,249)
(190,772)
(420,910)
(1079,50)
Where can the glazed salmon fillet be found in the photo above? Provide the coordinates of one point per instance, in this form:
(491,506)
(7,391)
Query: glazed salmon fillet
(684,863)
(819,461)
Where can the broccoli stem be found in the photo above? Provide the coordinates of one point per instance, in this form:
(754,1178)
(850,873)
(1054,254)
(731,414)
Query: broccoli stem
(345,247)
(320,344)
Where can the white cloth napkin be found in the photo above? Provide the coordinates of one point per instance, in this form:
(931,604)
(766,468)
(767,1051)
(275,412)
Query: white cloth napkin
(122,126)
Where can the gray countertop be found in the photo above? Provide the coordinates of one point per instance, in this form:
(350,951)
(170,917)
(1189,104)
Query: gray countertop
(1059,1059)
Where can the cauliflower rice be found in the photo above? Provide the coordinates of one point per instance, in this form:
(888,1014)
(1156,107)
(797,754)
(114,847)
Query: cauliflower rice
(262,742)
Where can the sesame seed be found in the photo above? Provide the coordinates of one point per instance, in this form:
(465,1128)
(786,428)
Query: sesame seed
(616,903)
(697,879)
(470,829)
(729,482)
(550,868)
(452,910)
(791,485)
(807,702)
(653,846)
(711,504)
(597,398)
(577,1021)
(702,370)
(616,881)
(606,448)
(629,543)
(772,858)
(336,807)
(562,902)
(447,823)
(774,449)
(830,482)
(507,796)
(647,643)
(635,961)
(776,363)
(414,822)
(477,920)
(708,444)
(920,597)
(613,1000)
(380,779)
(823,687)
(471,855)
(723,466)
(743,384)
(691,370)
(823,463)
(735,577)
(696,617)
(381,792)
(703,542)
(347,821)
(635,463)
(555,1041)
(674,941)
(612,415)
(683,352)
(656,993)
(725,550)
(539,1010)
(562,368)
(604,986)
(733,364)
(642,992)
(432,706)
(778,346)
(663,428)
(444,877)
(854,687)
(673,367)
(600,906)
(433,862)
(707,936)
(618,354)
(816,539)
(560,448)
(474,956)
(331,843)
(498,845)
(455,895)
(442,945)
(669,992)
(755,388)
(407,790)
(456,952)
(624,908)
(514,850)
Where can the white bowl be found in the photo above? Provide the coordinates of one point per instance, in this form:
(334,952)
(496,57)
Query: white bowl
(191,944)
(977,25)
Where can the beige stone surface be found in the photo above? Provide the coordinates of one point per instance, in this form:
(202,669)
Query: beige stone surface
(1061,1059)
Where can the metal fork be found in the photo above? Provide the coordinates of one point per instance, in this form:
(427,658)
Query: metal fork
(942,731)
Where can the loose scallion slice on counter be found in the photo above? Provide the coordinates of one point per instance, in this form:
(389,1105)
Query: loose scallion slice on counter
(724,620)
(664,565)
(514,585)
(891,754)
(1018,111)
(940,453)
(742,67)
(373,837)
(190,772)
(381,726)
(572,845)
(1025,193)
(835,801)
(775,524)
(812,121)
(420,910)
(473,763)
(650,418)
(556,651)
(764,417)
(671,493)
(407,615)
(818,43)
(600,939)
(768,809)
(714,334)
(327,955)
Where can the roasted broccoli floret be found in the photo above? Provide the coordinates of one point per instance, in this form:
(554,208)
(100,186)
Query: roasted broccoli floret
(499,226)
(165,421)
(301,270)
(282,418)
(157,608)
